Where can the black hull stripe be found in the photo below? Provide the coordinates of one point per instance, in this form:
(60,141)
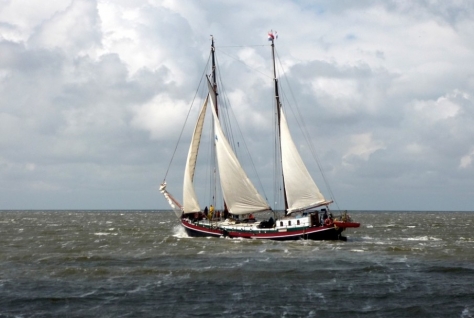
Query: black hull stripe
(321,233)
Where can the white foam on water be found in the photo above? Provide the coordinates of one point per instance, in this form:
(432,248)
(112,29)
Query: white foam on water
(137,289)
(88,294)
(179,232)
(422,238)
(367,307)
(466,313)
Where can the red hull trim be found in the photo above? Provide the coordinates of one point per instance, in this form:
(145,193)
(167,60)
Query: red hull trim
(315,233)
(204,230)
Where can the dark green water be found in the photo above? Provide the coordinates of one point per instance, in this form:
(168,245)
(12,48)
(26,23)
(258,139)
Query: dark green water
(141,264)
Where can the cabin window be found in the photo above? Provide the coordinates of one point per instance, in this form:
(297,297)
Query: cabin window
(281,224)
(289,223)
(298,222)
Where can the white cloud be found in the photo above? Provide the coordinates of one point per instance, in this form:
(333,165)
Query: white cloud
(93,93)
(20,17)
(148,36)
(363,145)
(75,30)
(433,111)
(162,116)
(466,160)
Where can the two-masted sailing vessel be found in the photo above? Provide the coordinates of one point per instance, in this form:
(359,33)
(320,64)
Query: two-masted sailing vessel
(305,214)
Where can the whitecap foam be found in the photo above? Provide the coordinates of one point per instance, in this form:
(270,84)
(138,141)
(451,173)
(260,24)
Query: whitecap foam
(88,294)
(179,232)
(466,313)
(423,238)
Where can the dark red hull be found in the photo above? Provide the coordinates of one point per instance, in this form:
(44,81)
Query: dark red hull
(310,233)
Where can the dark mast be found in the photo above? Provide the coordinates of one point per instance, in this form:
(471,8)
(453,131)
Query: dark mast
(278,104)
(214,79)
(214,87)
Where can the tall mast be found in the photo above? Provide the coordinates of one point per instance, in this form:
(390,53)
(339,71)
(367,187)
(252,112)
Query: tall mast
(214,79)
(214,87)
(277,98)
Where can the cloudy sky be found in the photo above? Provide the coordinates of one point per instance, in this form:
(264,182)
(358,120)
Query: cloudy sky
(94,93)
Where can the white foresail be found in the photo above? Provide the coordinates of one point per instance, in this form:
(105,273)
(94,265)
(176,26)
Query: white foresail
(190,202)
(301,190)
(239,193)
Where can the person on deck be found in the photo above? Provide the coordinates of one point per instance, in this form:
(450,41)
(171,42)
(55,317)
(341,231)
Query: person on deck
(211,212)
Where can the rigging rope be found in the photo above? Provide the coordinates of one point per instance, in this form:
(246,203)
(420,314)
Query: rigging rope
(300,119)
(228,123)
(248,66)
(185,121)
(241,46)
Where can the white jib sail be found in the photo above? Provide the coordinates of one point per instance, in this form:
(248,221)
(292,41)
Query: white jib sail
(190,202)
(301,190)
(239,193)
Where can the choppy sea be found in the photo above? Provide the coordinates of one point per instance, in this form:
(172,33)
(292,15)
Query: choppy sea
(142,264)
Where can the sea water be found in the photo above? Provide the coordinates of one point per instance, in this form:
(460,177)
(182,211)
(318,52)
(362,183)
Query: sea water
(142,264)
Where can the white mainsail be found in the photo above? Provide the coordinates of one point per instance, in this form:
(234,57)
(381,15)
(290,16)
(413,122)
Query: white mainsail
(240,195)
(190,201)
(301,190)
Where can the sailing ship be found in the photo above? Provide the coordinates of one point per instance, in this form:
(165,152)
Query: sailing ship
(306,213)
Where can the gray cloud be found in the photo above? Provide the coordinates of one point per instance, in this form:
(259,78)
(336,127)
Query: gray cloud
(93,95)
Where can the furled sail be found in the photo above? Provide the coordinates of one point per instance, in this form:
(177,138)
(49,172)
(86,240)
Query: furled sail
(239,193)
(177,208)
(190,202)
(301,190)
